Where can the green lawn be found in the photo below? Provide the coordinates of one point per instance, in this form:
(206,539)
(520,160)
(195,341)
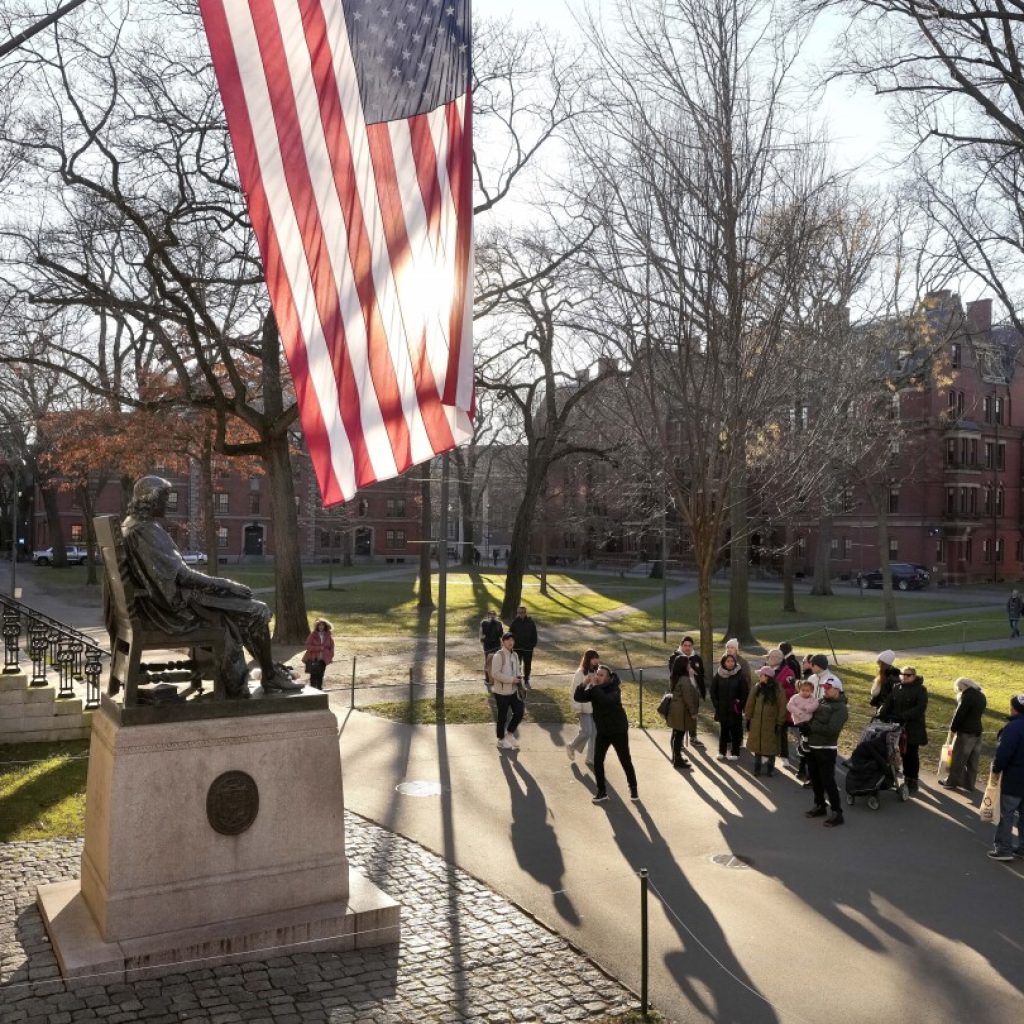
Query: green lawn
(45,797)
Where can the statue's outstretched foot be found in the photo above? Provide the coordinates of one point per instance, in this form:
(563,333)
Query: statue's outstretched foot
(281,681)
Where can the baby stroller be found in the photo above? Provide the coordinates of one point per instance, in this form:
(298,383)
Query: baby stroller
(875,764)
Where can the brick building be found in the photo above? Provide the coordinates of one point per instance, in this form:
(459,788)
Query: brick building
(381,523)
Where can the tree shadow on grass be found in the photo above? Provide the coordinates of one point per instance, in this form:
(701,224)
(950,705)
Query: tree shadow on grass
(30,801)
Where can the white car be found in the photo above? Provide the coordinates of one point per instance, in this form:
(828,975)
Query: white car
(76,555)
(194,558)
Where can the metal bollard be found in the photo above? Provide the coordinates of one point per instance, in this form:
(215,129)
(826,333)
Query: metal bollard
(412,692)
(643,944)
(641,682)
(352,698)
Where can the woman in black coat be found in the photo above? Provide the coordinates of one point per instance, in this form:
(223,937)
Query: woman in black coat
(966,730)
(729,692)
(603,690)
(907,704)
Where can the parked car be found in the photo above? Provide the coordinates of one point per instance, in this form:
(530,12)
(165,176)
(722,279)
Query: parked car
(194,557)
(76,555)
(904,577)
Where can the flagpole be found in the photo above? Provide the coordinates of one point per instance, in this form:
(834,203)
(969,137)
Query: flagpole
(12,44)
(442,581)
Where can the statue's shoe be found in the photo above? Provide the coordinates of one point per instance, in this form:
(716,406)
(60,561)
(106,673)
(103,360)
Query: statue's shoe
(281,682)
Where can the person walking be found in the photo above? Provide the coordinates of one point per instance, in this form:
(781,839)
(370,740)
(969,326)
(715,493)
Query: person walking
(765,712)
(695,670)
(966,729)
(886,678)
(506,678)
(603,690)
(907,704)
(1009,766)
(491,632)
(587,735)
(524,630)
(682,711)
(319,652)
(729,692)
(822,749)
(1013,609)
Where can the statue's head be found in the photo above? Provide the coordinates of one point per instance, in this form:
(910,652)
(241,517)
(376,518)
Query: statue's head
(149,497)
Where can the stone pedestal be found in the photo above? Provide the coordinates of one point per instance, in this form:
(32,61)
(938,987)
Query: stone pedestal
(212,841)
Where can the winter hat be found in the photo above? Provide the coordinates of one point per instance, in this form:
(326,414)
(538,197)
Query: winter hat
(732,642)
(1017,703)
(767,671)
(775,652)
(887,657)
(819,661)
(963,683)
(507,636)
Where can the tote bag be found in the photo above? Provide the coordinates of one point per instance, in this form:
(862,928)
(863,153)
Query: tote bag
(989,809)
(946,755)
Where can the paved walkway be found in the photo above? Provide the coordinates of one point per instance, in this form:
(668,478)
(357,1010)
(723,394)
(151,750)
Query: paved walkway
(466,955)
(898,915)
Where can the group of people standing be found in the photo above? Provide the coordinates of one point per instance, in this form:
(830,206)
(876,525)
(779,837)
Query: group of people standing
(508,660)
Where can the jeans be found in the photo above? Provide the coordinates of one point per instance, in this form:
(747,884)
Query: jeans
(1011,809)
(1014,627)
(821,766)
(966,755)
(793,746)
(525,663)
(508,704)
(620,741)
(730,736)
(586,737)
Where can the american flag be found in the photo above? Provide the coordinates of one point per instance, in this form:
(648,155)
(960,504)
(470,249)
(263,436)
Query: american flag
(351,126)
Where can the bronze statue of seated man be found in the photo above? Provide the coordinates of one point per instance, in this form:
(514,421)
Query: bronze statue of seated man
(175,598)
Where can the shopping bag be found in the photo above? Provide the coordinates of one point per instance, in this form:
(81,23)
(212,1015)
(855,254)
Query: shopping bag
(664,705)
(989,809)
(946,756)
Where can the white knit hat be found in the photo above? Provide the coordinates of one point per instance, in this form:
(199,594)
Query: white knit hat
(887,657)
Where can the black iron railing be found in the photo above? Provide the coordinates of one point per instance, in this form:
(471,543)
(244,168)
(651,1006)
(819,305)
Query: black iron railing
(50,647)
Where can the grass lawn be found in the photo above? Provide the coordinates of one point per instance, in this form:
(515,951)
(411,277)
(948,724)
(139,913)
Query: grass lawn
(44,798)
(389,606)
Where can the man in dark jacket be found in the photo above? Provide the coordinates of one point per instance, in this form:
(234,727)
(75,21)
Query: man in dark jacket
(604,692)
(907,704)
(1013,610)
(823,744)
(524,630)
(695,669)
(1009,765)
(966,729)
(491,632)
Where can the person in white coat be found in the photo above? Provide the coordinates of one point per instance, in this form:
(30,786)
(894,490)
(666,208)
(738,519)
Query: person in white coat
(587,735)
(506,678)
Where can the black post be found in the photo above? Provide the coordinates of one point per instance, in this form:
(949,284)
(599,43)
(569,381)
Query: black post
(22,37)
(664,575)
(643,944)
(641,698)
(14,531)
(442,581)
(835,660)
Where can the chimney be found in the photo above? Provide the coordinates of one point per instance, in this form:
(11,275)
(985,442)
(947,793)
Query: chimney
(979,316)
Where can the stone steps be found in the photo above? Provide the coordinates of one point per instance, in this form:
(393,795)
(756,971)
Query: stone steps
(34,714)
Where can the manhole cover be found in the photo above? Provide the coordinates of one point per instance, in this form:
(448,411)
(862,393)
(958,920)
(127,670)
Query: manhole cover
(418,788)
(731,860)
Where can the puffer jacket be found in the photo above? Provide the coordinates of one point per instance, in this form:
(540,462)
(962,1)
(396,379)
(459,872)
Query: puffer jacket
(827,722)
(766,718)
(907,705)
(969,709)
(609,714)
(1009,759)
(889,683)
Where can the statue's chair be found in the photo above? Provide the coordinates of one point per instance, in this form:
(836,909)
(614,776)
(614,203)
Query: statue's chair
(131,636)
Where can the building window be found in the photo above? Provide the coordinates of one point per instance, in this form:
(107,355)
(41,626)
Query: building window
(939,552)
(986,551)
(394,538)
(254,502)
(894,408)
(950,451)
(77,533)
(950,500)
(973,501)
(833,547)
(969,550)
(172,501)
(220,502)
(364,507)
(222,537)
(988,408)
(956,355)
(1001,456)
(990,454)
(973,453)
(395,508)
(999,549)
(963,500)
(1000,500)
(894,548)
(964,450)
(894,499)
(986,501)
(999,410)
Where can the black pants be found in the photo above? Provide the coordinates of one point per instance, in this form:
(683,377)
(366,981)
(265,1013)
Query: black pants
(821,766)
(731,736)
(317,669)
(525,662)
(677,745)
(620,741)
(510,704)
(912,762)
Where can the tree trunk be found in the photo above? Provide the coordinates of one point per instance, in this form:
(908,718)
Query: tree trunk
(211,540)
(53,524)
(544,562)
(789,568)
(88,512)
(705,570)
(519,551)
(823,559)
(888,598)
(426,597)
(291,625)
(739,560)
